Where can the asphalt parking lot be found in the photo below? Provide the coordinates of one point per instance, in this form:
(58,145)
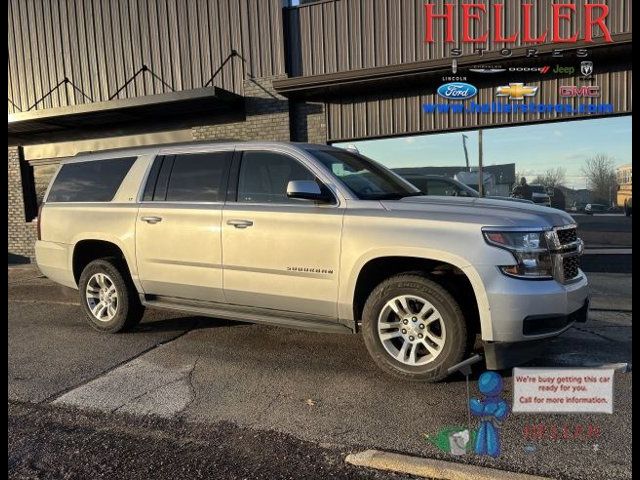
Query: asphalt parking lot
(296,391)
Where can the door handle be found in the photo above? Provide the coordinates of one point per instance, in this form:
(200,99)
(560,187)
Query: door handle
(151,220)
(240,223)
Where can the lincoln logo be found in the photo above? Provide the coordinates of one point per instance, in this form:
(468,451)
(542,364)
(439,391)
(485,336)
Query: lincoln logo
(564,22)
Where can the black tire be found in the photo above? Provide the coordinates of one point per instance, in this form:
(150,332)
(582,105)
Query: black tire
(129,310)
(457,342)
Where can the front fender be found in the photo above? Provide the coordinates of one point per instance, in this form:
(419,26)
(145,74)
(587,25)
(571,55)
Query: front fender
(349,280)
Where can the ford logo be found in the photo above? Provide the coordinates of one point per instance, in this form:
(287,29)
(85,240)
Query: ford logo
(457,91)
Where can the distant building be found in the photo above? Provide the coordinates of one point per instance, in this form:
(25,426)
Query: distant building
(623,178)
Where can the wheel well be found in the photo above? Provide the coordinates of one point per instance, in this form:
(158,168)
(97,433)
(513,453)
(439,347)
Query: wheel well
(86,251)
(452,278)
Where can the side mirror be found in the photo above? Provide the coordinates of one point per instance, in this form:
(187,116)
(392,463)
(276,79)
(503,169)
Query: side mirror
(307,190)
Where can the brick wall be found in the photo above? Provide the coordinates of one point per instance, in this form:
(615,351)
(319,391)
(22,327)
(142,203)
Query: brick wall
(267,116)
(308,123)
(22,235)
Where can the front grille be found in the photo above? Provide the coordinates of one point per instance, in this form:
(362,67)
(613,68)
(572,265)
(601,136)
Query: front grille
(567,235)
(570,266)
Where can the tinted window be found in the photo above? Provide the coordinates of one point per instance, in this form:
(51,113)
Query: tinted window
(152,179)
(197,177)
(95,181)
(264,177)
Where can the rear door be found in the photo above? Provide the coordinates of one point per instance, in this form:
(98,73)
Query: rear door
(178,236)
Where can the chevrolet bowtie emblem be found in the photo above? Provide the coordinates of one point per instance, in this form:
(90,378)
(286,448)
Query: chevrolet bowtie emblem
(516,91)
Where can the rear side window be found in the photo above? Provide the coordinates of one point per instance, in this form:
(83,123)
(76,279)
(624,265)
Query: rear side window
(94,181)
(199,177)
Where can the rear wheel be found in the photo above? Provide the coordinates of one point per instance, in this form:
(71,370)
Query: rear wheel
(414,329)
(108,296)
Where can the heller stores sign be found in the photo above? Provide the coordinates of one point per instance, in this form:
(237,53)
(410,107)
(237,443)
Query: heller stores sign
(474,15)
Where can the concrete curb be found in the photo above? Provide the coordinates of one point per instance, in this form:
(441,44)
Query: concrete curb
(425,467)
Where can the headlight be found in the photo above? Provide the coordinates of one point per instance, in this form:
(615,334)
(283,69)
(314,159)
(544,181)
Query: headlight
(529,249)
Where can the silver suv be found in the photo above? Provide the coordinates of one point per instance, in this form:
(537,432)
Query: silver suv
(313,237)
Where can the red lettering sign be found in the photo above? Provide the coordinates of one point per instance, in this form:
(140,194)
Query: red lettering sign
(565,16)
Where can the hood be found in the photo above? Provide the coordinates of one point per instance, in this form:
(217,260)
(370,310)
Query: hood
(481,211)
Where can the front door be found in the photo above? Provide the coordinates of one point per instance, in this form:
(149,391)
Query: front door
(178,234)
(280,253)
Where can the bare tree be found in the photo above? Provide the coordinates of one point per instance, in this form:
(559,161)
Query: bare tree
(554,177)
(601,177)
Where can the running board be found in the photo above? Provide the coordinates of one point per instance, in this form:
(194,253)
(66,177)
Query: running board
(265,316)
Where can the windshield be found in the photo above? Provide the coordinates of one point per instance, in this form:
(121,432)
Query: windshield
(363,177)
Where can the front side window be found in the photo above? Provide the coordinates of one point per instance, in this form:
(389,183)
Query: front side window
(264,177)
(93,181)
(365,178)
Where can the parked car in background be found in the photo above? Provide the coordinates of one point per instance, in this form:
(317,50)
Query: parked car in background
(577,207)
(449,187)
(592,208)
(540,195)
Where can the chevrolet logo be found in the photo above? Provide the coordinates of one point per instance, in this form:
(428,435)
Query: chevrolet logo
(516,91)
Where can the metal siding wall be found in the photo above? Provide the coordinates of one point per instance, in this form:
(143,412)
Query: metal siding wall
(100,44)
(374,33)
(401,113)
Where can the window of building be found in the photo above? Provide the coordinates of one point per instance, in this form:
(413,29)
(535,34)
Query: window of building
(264,177)
(91,181)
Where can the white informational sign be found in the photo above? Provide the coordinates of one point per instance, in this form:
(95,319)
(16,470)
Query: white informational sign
(563,390)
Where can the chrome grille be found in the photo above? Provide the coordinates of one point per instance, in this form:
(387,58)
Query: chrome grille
(570,266)
(567,235)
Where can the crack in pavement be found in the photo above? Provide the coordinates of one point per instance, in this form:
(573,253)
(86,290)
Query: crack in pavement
(192,388)
(600,335)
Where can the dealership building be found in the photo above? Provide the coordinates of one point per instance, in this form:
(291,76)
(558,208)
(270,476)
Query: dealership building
(101,74)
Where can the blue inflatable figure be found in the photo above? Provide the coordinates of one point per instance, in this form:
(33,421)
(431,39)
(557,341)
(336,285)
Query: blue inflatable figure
(491,409)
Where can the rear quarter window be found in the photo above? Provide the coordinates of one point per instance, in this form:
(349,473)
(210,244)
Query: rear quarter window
(94,181)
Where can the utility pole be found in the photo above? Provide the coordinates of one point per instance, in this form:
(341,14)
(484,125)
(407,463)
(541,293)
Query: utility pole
(466,153)
(480,173)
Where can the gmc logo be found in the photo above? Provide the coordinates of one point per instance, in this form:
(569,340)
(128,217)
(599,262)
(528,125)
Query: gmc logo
(586,91)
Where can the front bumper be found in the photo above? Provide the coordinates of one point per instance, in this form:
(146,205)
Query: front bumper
(523,310)
(500,355)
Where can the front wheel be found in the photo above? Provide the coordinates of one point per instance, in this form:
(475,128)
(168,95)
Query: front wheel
(109,297)
(414,329)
